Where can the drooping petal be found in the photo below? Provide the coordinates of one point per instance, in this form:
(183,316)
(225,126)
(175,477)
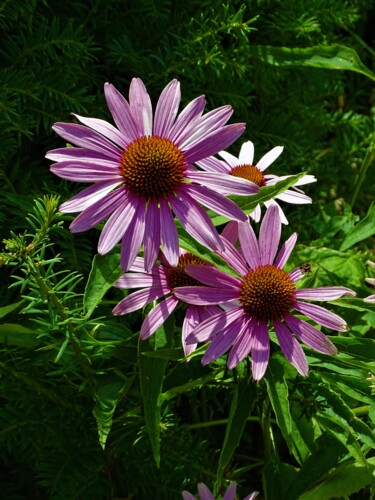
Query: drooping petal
(203,296)
(214,325)
(88,196)
(322,316)
(133,236)
(285,251)
(186,121)
(168,234)
(216,202)
(223,183)
(167,108)
(84,172)
(191,320)
(249,244)
(195,220)
(324,293)
(139,299)
(140,107)
(98,211)
(120,111)
(244,343)
(246,156)
(310,335)
(211,276)
(269,236)
(104,128)
(151,240)
(222,341)
(260,351)
(230,159)
(269,158)
(291,348)
(79,135)
(156,317)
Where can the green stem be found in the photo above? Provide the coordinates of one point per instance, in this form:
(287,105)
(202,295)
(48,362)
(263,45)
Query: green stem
(369,158)
(222,421)
(361,410)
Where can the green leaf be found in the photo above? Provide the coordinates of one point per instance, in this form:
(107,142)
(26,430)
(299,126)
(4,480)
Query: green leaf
(105,271)
(249,203)
(151,372)
(364,229)
(342,481)
(277,477)
(337,57)
(354,303)
(107,397)
(19,335)
(8,309)
(242,403)
(278,393)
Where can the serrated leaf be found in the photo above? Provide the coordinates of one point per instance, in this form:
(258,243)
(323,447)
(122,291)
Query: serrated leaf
(105,271)
(364,229)
(278,393)
(333,57)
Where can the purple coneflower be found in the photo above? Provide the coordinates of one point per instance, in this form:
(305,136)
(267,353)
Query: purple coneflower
(161,282)
(264,295)
(205,493)
(142,172)
(243,168)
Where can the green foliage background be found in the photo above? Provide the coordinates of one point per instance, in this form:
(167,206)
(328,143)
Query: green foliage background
(301,75)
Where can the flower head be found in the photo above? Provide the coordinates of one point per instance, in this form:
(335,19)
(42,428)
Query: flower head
(254,176)
(264,295)
(205,493)
(142,172)
(161,282)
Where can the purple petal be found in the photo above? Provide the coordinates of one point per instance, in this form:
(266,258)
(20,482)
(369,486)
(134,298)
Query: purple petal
(244,343)
(167,108)
(249,244)
(246,156)
(120,111)
(88,196)
(212,164)
(285,251)
(291,348)
(295,197)
(223,183)
(256,214)
(156,317)
(140,107)
(230,232)
(133,236)
(370,299)
(104,128)
(269,236)
(84,172)
(324,293)
(116,226)
(322,316)
(151,241)
(271,203)
(269,158)
(195,221)
(222,341)
(234,257)
(191,320)
(139,299)
(81,155)
(140,280)
(214,325)
(168,234)
(187,496)
(98,211)
(210,144)
(296,274)
(310,335)
(186,121)
(211,276)
(203,296)
(260,351)
(215,201)
(79,135)
(230,494)
(204,492)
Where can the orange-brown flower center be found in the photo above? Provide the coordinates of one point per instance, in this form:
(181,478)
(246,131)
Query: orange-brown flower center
(267,293)
(251,173)
(177,276)
(152,167)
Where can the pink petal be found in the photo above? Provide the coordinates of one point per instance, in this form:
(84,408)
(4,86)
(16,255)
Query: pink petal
(151,241)
(120,111)
(322,316)
(295,197)
(256,214)
(139,299)
(204,492)
(249,244)
(156,317)
(203,296)
(285,251)
(234,257)
(167,108)
(271,203)
(324,293)
(212,164)
(269,158)
(168,234)
(186,120)
(269,236)
(296,274)
(139,280)
(140,107)
(222,341)
(310,335)
(223,183)
(291,348)
(209,275)
(81,155)
(260,351)
(230,232)
(246,156)
(88,196)
(133,236)
(85,172)
(214,325)
(231,160)
(104,128)
(230,494)
(243,344)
